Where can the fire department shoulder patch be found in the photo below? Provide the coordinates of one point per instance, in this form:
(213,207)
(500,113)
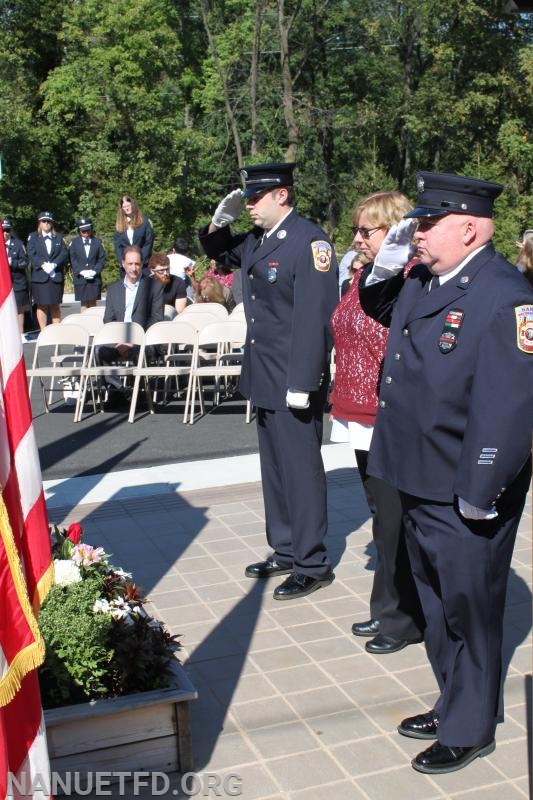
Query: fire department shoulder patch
(524,327)
(321,255)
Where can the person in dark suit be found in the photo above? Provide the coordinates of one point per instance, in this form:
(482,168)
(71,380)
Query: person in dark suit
(48,256)
(134,299)
(132,227)
(289,290)
(87,260)
(453,434)
(18,262)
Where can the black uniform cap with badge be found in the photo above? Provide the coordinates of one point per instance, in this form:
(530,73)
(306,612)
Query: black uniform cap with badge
(264,177)
(45,216)
(6,224)
(84,224)
(441,193)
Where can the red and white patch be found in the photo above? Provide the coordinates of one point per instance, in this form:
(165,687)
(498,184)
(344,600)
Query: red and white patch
(322,255)
(524,328)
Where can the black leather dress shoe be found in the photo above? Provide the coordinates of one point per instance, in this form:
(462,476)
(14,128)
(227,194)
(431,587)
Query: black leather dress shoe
(387,644)
(438,758)
(265,569)
(369,628)
(298,585)
(421,726)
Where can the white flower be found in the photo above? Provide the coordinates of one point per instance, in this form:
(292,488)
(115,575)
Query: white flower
(66,572)
(126,576)
(101,606)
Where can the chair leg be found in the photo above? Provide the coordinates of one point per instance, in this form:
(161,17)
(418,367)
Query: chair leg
(133,402)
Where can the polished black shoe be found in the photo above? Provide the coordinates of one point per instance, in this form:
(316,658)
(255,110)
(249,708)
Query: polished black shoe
(439,759)
(421,726)
(369,628)
(265,569)
(382,644)
(298,585)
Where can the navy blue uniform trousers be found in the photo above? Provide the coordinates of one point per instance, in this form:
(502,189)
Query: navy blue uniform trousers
(461,568)
(294,488)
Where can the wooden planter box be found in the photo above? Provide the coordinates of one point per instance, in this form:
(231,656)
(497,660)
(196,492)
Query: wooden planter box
(144,732)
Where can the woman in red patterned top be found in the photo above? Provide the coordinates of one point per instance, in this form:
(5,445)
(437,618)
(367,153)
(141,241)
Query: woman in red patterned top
(396,617)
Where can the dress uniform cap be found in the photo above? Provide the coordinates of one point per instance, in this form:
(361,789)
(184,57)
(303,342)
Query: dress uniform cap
(45,216)
(442,193)
(263,177)
(84,224)
(6,224)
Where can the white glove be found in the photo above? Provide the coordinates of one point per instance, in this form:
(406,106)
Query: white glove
(297,399)
(396,250)
(473,512)
(228,209)
(49,268)
(88,273)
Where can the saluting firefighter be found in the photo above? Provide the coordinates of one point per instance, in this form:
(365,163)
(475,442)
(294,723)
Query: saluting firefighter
(289,291)
(453,434)
(87,260)
(18,262)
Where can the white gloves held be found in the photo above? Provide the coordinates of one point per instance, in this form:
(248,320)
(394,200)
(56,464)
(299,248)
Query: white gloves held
(228,209)
(49,268)
(87,273)
(297,399)
(397,248)
(473,512)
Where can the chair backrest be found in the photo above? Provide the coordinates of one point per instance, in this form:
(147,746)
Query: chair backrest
(98,311)
(115,332)
(171,333)
(233,331)
(216,309)
(199,321)
(91,322)
(54,335)
(238,312)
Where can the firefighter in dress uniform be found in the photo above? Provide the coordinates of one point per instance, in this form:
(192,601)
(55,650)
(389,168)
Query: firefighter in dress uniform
(453,434)
(289,291)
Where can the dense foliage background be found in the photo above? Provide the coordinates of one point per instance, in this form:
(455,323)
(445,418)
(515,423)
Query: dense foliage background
(164,99)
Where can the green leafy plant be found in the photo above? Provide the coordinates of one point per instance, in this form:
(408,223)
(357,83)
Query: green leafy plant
(100,641)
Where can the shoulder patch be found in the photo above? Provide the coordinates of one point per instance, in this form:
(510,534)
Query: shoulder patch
(524,327)
(322,253)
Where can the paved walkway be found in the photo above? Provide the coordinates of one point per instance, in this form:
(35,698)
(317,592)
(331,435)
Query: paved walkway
(288,698)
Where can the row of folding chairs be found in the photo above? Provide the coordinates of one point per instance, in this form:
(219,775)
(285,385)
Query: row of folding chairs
(212,351)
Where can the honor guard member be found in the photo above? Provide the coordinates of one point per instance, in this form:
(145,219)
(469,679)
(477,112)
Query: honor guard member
(289,291)
(48,256)
(87,260)
(18,262)
(453,433)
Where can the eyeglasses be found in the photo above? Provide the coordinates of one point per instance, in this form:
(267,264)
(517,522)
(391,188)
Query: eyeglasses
(161,271)
(366,233)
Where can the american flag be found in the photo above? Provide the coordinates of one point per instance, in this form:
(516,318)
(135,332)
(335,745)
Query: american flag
(26,569)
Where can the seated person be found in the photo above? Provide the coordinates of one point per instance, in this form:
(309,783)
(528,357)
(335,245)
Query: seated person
(212,291)
(174,288)
(135,298)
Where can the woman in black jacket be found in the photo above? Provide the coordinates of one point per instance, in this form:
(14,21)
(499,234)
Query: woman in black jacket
(132,228)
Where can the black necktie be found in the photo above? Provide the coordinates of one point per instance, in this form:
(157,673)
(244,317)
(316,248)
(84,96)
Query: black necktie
(434,283)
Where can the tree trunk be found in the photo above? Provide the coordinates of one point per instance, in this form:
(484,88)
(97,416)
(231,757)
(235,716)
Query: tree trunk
(284,26)
(254,70)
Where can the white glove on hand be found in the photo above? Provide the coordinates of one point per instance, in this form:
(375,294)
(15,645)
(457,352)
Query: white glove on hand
(297,399)
(395,252)
(89,273)
(84,273)
(229,209)
(473,512)
(49,268)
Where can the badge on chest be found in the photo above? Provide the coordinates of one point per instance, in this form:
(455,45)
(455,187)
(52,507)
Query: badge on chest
(450,331)
(272,271)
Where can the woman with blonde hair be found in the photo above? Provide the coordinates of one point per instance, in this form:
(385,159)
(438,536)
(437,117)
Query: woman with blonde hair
(395,616)
(525,260)
(209,290)
(132,227)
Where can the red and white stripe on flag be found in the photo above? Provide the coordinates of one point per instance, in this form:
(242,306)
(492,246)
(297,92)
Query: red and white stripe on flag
(26,569)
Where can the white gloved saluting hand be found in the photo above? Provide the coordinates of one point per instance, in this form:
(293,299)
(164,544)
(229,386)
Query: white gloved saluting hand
(395,252)
(228,209)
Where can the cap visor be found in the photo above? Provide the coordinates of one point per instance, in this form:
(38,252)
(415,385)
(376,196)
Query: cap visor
(251,191)
(423,211)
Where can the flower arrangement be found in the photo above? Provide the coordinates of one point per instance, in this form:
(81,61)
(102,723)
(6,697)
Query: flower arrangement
(100,641)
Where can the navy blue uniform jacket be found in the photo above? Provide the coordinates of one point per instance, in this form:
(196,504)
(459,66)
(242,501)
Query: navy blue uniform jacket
(79,260)
(456,399)
(18,261)
(38,255)
(147,308)
(288,340)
